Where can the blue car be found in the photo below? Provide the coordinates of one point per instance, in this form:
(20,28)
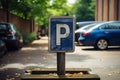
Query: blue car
(102,35)
(78,31)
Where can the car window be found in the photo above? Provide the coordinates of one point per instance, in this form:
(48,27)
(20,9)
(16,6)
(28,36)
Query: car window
(4,26)
(104,26)
(111,26)
(114,25)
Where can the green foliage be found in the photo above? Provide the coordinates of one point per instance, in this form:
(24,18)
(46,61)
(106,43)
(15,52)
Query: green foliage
(27,9)
(38,10)
(28,38)
(41,10)
(84,9)
(58,8)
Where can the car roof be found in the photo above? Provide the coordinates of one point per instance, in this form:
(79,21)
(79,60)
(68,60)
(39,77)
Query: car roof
(103,23)
(97,25)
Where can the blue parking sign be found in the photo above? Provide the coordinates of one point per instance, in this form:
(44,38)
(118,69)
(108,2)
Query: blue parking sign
(61,34)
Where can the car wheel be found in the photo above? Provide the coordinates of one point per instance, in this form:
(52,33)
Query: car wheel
(4,51)
(18,46)
(101,44)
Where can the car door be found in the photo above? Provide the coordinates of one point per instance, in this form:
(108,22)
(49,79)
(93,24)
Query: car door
(113,33)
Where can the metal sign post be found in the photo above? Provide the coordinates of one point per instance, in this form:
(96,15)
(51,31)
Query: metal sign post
(61,39)
(61,63)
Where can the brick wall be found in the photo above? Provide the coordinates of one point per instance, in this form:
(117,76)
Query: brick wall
(25,26)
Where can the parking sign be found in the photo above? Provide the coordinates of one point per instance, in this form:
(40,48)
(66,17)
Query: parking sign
(61,34)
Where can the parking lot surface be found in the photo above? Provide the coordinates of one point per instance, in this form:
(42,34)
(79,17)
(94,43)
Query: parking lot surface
(105,63)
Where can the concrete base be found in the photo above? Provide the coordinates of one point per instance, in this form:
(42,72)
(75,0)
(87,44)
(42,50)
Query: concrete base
(51,74)
(54,70)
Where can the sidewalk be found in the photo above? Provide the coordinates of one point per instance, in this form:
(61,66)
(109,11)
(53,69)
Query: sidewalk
(34,55)
(41,43)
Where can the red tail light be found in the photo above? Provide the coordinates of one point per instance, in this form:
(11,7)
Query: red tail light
(9,33)
(85,33)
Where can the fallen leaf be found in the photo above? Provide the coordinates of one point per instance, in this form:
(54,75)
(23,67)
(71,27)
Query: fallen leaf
(109,74)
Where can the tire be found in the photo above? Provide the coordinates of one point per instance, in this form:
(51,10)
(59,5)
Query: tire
(101,44)
(3,52)
(18,46)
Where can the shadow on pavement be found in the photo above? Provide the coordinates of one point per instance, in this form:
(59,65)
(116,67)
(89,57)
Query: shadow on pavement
(109,49)
(14,63)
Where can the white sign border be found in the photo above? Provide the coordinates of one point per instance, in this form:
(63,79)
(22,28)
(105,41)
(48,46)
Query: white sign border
(50,34)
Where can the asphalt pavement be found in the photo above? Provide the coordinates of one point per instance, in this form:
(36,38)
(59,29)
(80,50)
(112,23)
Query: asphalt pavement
(35,55)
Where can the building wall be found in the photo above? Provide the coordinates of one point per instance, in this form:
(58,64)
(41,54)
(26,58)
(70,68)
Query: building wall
(118,8)
(25,26)
(107,10)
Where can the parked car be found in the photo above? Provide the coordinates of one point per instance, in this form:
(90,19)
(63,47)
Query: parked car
(102,35)
(10,35)
(3,48)
(83,23)
(78,31)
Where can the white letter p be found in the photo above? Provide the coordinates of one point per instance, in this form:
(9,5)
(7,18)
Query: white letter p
(58,32)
